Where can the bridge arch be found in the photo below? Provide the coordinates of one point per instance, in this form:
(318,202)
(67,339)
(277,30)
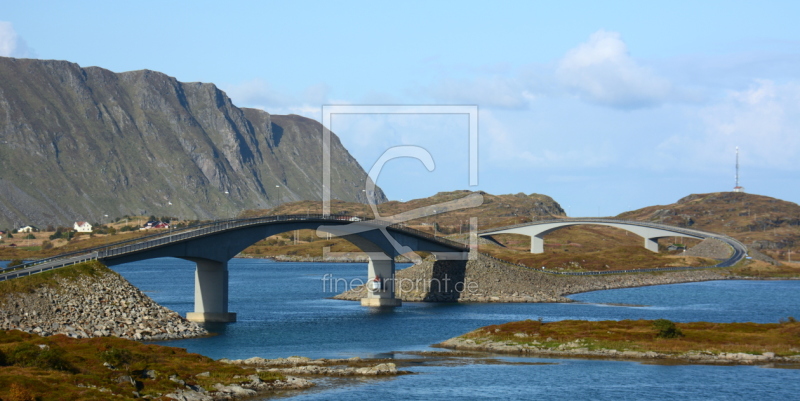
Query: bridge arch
(650,232)
(212,251)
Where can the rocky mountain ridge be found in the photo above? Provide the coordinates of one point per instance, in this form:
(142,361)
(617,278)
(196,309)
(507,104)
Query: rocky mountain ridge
(81,143)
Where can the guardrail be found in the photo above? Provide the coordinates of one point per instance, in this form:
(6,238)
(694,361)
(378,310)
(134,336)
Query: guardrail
(173,236)
(601,220)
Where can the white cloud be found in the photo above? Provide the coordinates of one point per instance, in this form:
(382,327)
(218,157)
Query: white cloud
(599,71)
(602,71)
(11,44)
(764,121)
(260,94)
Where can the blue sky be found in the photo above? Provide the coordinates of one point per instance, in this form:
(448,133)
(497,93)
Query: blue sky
(604,107)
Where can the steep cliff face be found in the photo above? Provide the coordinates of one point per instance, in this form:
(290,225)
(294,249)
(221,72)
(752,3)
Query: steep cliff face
(79,143)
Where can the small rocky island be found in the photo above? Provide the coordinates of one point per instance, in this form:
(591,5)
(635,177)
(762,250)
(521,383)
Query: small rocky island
(696,342)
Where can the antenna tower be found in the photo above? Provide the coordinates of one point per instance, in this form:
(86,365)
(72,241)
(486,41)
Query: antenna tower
(737,188)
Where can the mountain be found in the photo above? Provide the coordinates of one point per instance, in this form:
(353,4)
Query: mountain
(80,143)
(766,223)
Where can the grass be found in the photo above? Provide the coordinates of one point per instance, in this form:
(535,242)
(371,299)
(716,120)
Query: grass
(86,378)
(617,258)
(32,249)
(759,269)
(642,335)
(49,278)
(747,217)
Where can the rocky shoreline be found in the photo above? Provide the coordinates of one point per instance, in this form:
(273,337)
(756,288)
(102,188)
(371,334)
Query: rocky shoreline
(92,302)
(578,349)
(251,388)
(297,365)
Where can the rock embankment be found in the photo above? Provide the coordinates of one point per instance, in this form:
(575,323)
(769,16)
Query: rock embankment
(710,248)
(579,349)
(96,303)
(483,279)
(296,365)
(760,256)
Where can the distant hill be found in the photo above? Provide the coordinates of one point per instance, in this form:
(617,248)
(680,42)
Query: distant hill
(768,224)
(80,143)
(495,211)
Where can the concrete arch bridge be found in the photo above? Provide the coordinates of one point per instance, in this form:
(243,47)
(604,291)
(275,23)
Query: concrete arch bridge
(211,246)
(650,232)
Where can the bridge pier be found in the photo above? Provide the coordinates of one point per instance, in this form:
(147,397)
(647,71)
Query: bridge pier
(210,292)
(537,244)
(380,281)
(651,244)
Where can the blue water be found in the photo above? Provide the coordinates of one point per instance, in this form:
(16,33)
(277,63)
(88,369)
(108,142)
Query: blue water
(283,310)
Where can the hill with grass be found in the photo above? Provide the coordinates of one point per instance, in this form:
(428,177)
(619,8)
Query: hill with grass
(77,144)
(494,210)
(769,225)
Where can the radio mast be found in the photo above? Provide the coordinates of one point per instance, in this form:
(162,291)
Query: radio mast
(737,188)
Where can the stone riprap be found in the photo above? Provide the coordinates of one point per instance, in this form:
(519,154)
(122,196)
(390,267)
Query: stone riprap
(484,279)
(710,248)
(92,305)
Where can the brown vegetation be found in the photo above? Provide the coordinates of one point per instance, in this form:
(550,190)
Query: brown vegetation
(63,368)
(642,335)
(767,224)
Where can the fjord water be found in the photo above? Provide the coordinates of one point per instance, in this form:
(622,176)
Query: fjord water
(283,309)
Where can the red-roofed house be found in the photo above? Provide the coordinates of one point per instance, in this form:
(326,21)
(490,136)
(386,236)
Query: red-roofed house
(82,227)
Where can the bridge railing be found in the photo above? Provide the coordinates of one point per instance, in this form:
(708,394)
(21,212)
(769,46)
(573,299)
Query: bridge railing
(178,235)
(601,220)
(173,236)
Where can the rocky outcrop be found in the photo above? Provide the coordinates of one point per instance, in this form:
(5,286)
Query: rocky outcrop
(483,279)
(81,142)
(95,302)
(579,349)
(248,389)
(297,365)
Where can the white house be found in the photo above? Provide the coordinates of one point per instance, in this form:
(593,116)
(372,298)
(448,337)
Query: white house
(27,229)
(82,227)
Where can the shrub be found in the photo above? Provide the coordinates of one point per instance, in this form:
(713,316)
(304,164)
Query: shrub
(47,245)
(15,262)
(666,329)
(2,358)
(116,357)
(29,236)
(30,355)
